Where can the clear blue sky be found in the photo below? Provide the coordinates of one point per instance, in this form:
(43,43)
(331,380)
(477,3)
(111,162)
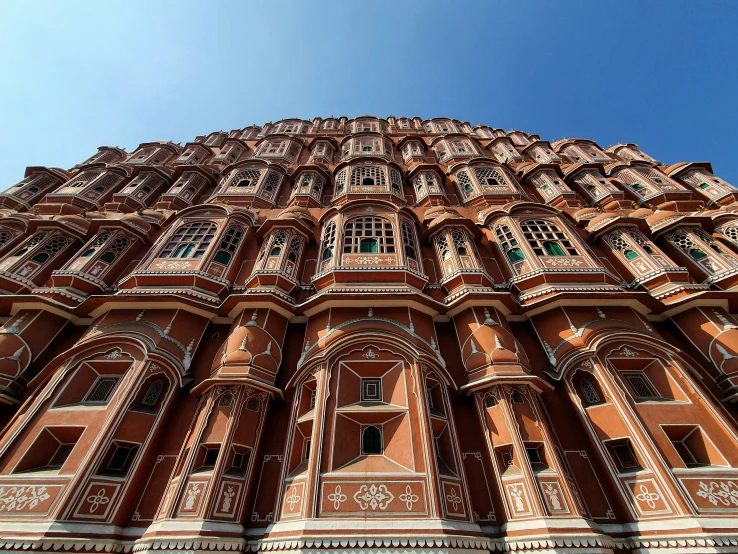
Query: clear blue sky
(80,74)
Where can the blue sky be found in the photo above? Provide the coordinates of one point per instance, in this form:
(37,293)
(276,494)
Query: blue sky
(80,74)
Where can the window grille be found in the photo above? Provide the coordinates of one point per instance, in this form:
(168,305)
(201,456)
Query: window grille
(547,239)
(313,396)
(102,389)
(225,401)
(465,184)
(228,245)
(4,237)
(408,240)
(490,401)
(589,392)
(60,455)
(625,456)
(371,390)
(248,178)
(84,178)
(640,386)
(370,235)
(490,177)
(30,243)
(731,233)
(190,241)
(253,404)
(329,241)
(360,175)
(152,395)
(507,459)
(395,180)
(271,184)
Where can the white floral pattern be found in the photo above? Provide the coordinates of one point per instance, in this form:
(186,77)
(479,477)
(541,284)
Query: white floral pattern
(409,498)
(724,492)
(373,496)
(337,497)
(18,499)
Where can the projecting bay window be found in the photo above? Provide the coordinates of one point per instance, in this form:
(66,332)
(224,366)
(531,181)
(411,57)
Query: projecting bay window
(189,241)
(456,251)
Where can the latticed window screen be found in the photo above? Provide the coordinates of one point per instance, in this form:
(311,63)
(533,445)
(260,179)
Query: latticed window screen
(490,177)
(547,239)
(329,241)
(490,401)
(341,181)
(253,404)
(731,232)
(225,401)
(395,180)
(509,243)
(461,243)
(465,184)
(30,243)
(190,241)
(97,243)
(625,456)
(295,246)
(368,176)
(4,237)
(371,390)
(369,235)
(248,178)
(83,179)
(271,184)
(61,454)
(589,392)
(152,395)
(102,389)
(507,459)
(640,386)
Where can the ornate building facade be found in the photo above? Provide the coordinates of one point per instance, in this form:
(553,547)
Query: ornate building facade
(369,335)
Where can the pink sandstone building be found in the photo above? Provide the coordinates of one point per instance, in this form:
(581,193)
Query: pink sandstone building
(369,336)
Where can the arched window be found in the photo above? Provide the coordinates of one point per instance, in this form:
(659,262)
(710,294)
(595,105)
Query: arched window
(190,241)
(371,440)
(329,242)
(228,245)
(490,401)
(509,244)
(151,398)
(547,239)
(408,240)
(97,243)
(589,392)
(370,235)
(226,401)
(247,178)
(516,398)
(253,404)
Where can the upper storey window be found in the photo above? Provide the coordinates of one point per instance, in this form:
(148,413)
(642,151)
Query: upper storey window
(285,149)
(504,151)
(584,152)
(427,183)
(443,126)
(703,250)
(456,251)
(543,154)
(230,153)
(29,189)
(476,182)
(661,181)
(367,125)
(250,133)
(630,152)
(322,150)
(215,139)
(412,150)
(191,241)
(309,184)
(367,146)
(404,123)
(450,148)
(280,252)
(707,183)
(151,155)
(105,155)
(519,138)
(330,124)
(252,182)
(368,178)
(636,251)
(595,185)
(290,127)
(549,185)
